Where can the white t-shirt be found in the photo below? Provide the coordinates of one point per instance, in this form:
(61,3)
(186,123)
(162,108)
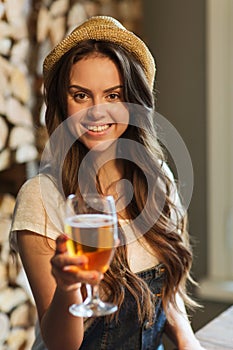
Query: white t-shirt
(39,208)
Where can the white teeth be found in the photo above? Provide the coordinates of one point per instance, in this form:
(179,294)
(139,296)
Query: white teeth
(97,128)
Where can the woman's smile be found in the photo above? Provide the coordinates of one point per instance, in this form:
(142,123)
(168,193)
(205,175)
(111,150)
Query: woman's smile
(97,129)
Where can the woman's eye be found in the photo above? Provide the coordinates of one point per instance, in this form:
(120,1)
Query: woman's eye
(79,96)
(113,96)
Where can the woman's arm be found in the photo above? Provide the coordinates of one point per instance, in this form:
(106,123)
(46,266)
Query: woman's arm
(179,329)
(54,288)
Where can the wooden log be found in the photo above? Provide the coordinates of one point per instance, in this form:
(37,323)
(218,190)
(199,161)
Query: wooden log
(14,25)
(30,338)
(4,327)
(5,46)
(20,30)
(57,29)
(17,113)
(3,132)
(5,250)
(20,86)
(2,9)
(21,135)
(10,298)
(7,203)
(6,66)
(5,224)
(91,8)
(17,338)
(20,51)
(5,159)
(59,8)
(5,30)
(3,276)
(19,317)
(14,10)
(2,101)
(5,89)
(43,20)
(26,153)
(76,15)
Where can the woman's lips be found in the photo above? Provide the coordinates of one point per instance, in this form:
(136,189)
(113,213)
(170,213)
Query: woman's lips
(97,128)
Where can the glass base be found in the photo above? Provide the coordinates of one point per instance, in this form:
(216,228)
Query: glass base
(92,309)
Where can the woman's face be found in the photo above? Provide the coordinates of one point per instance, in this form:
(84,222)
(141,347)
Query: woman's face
(95,102)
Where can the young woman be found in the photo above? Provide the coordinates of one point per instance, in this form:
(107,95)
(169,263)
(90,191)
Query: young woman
(99,96)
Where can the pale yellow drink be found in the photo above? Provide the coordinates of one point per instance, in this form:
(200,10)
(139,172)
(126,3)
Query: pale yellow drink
(91,235)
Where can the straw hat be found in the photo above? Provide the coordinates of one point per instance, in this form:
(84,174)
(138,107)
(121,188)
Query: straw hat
(107,29)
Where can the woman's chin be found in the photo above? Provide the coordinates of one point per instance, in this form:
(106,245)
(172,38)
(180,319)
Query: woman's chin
(102,146)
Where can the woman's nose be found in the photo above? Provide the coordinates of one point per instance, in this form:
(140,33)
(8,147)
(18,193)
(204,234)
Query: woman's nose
(97,111)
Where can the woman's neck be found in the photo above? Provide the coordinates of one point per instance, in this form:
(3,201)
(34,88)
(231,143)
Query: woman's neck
(109,175)
(112,182)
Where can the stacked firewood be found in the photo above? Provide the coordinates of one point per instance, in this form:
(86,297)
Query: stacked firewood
(17,309)
(16,131)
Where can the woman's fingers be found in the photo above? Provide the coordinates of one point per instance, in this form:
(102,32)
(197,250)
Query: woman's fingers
(69,271)
(72,277)
(61,244)
(62,261)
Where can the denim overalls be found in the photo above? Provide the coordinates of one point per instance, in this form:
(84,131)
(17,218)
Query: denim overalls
(127,333)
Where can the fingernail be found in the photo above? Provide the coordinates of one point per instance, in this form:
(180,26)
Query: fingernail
(62,238)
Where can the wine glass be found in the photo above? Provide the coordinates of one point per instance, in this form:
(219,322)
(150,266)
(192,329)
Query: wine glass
(91,226)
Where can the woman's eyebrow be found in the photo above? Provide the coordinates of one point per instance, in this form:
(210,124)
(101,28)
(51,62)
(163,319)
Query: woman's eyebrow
(82,88)
(113,88)
(79,87)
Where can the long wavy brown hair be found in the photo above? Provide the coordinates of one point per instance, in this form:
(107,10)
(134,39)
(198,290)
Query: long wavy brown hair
(167,237)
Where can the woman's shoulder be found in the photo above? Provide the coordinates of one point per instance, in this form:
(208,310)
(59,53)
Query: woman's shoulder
(37,184)
(39,208)
(41,191)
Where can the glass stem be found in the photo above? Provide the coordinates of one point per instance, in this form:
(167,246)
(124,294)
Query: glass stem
(93,292)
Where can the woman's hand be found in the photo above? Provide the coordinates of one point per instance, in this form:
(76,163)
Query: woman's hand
(68,271)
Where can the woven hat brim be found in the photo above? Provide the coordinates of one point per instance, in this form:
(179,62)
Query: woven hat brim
(106,32)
